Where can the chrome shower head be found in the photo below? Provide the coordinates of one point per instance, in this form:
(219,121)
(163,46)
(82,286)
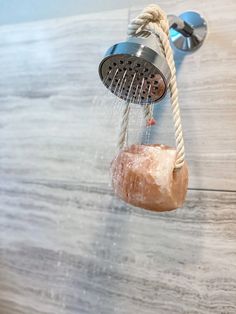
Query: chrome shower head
(136,70)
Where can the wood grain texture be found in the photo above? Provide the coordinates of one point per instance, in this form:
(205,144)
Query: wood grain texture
(73,248)
(66,244)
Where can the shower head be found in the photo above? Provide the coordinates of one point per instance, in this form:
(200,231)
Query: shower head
(136,70)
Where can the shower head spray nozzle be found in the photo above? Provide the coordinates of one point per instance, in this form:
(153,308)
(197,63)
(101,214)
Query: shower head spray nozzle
(136,70)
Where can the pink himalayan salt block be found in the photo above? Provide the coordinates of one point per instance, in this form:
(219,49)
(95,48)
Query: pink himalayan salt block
(144,176)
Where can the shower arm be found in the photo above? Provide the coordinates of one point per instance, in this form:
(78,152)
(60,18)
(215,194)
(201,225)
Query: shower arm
(180,26)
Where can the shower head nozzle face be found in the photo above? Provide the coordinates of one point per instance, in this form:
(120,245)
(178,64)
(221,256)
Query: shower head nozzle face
(138,75)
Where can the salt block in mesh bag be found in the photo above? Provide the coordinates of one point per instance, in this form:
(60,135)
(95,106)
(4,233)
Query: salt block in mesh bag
(144,176)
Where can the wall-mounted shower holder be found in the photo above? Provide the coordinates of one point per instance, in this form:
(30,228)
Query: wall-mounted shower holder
(188,31)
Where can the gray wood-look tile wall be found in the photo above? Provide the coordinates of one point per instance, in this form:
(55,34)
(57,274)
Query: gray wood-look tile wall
(67,245)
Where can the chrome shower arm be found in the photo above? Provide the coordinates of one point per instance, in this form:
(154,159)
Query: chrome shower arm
(180,25)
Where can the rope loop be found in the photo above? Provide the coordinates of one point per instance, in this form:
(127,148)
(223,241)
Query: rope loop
(154,20)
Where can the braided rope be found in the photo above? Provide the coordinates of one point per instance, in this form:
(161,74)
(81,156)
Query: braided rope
(153,19)
(148,112)
(124,126)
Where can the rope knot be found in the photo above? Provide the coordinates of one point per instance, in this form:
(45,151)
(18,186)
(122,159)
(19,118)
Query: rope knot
(151,14)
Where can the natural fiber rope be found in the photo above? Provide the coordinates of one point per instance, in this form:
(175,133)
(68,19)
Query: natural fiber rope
(154,20)
(124,126)
(148,112)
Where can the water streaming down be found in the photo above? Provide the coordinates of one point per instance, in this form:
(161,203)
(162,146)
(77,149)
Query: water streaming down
(129,102)
(140,127)
(139,98)
(129,82)
(131,86)
(119,100)
(137,119)
(117,104)
(148,127)
(114,104)
(102,101)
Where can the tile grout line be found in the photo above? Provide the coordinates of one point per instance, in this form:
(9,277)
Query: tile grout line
(211,190)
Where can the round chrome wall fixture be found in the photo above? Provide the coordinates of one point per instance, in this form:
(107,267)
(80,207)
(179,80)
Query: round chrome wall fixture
(194,37)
